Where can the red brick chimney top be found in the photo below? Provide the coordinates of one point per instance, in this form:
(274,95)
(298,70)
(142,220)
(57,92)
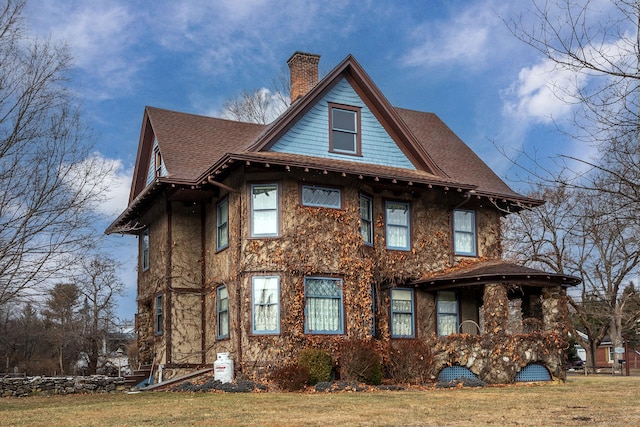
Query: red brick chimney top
(304,73)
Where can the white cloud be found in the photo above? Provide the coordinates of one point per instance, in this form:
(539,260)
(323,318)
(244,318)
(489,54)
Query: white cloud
(118,187)
(543,93)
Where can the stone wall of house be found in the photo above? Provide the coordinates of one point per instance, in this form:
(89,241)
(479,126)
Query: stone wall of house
(326,242)
(30,386)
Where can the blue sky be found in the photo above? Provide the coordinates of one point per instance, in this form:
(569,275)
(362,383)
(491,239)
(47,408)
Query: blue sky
(454,58)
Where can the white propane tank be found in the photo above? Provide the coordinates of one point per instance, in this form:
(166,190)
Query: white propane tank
(223,368)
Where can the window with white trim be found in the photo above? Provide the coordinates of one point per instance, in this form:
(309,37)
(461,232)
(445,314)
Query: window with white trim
(222,224)
(158,317)
(611,356)
(325,197)
(464,232)
(366,219)
(398,225)
(222,311)
(323,305)
(144,249)
(344,126)
(264,210)
(447,312)
(266,304)
(402,313)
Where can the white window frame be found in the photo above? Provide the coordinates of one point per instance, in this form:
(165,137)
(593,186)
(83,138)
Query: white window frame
(469,233)
(307,309)
(222,312)
(440,313)
(367,235)
(275,187)
(222,224)
(258,304)
(307,188)
(399,311)
(389,225)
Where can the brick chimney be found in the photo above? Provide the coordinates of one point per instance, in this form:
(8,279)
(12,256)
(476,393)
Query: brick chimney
(304,73)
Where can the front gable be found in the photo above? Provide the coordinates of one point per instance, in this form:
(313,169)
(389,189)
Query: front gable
(310,135)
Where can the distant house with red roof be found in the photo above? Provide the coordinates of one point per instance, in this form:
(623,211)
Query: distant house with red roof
(345,219)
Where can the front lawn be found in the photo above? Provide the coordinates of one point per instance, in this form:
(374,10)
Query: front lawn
(592,400)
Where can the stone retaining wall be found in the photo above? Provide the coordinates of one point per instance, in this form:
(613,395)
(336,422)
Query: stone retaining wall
(31,386)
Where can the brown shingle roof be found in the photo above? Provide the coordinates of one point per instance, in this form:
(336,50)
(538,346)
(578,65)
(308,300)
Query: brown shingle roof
(452,155)
(190,144)
(495,271)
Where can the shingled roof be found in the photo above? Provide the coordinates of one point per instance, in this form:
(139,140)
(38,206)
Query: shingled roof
(494,271)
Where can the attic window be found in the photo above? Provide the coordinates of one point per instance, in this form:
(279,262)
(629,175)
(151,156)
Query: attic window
(156,164)
(344,129)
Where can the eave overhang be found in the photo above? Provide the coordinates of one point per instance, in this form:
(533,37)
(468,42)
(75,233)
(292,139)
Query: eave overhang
(489,272)
(391,175)
(128,222)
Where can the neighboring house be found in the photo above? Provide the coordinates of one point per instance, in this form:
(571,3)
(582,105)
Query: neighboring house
(605,355)
(345,218)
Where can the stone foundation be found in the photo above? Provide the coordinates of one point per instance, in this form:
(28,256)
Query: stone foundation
(46,386)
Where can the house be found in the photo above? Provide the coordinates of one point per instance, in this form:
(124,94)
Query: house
(344,219)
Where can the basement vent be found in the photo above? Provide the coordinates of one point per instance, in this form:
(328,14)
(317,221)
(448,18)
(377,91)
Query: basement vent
(451,373)
(533,372)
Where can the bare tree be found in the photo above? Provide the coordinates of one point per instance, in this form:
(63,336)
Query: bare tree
(48,179)
(99,285)
(261,105)
(597,44)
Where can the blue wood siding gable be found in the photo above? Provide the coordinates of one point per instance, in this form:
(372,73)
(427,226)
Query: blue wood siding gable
(309,136)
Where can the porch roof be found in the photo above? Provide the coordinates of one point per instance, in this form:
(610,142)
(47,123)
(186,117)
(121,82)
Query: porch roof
(495,271)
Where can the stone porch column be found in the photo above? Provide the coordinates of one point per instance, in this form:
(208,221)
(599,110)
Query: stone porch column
(495,308)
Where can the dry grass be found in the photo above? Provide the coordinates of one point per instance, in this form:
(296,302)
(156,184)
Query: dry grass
(593,400)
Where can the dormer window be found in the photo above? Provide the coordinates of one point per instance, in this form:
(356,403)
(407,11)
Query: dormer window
(344,129)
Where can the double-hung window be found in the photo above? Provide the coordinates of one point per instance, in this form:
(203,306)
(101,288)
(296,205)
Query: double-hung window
(222,309)
(158,322)
(323,305)
(398,225)
(464,232)
(144,249)
(325,197)
(222,224)
(264,210)
(366,219)
(344,127)
(266,304)
(402,313)
(447,307)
